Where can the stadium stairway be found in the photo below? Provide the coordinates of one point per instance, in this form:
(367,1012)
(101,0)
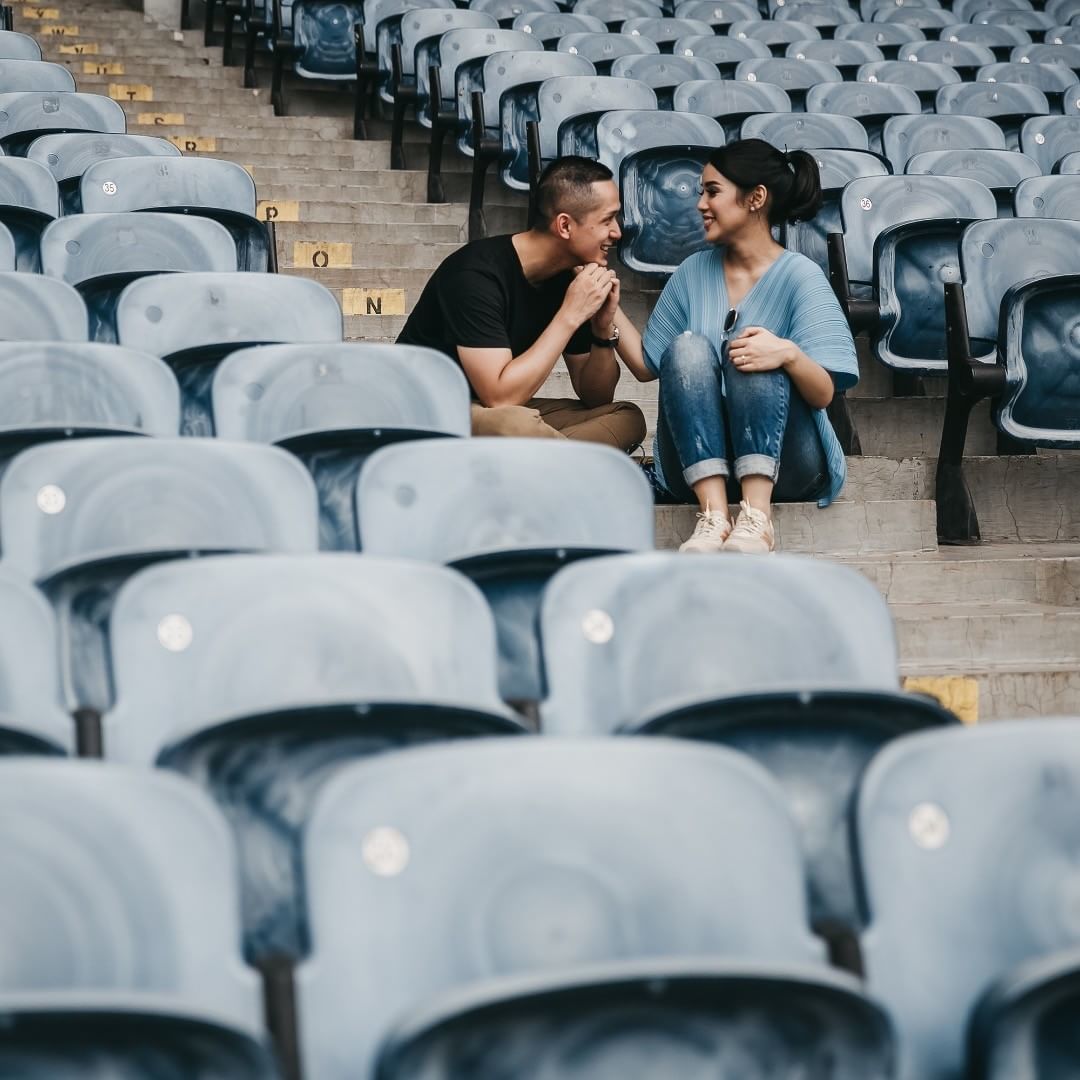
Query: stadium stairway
(993,630)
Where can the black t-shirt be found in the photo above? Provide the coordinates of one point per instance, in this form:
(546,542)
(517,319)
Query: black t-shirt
(480,298)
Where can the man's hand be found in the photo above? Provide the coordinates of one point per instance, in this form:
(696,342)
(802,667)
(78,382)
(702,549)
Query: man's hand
(603,321)
(587,293)
(758,349)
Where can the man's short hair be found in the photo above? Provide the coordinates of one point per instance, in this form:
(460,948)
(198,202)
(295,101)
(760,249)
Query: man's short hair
(565,187)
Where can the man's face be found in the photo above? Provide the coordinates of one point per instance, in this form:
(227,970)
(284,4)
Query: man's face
(597,232)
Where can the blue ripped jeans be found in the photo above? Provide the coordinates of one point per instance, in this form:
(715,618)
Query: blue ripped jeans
(759,422)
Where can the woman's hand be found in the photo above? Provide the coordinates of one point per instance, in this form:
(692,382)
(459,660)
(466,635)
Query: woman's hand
(758,349)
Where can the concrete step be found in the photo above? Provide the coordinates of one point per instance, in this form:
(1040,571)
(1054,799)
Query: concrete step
(368,203)
(903,427)
(410,235)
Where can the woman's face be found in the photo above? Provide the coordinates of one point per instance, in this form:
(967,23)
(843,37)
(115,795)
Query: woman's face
(724,212)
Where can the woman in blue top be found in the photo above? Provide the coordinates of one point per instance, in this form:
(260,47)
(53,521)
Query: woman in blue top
(749,344)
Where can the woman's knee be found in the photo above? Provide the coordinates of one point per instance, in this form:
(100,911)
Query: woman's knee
(690,357)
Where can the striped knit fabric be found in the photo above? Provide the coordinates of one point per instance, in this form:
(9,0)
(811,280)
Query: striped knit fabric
(792,299)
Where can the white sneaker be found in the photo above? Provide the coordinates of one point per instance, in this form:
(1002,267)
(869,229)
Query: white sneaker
(753,532)
(713,528)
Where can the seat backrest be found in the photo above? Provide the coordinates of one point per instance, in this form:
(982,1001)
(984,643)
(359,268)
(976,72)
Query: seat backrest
(550,26)
(773,33)
(26,185)
(794,76)
(663,72)
(1048,53)
(999,170)
(991,99)
(919,77)
(1032,21)
(292,631)
(665,31)
(1049,78)
(281,393)
(32,716)
(837,168)
(565,97)
(15,46)
(995,255)
(904,136)
(1070,164)
(586,834)
(506,73)
(870,9)
(616,12)
(34,111)
(964,10)
(1070,100)
(123,886)
(322,34)
(1048,197)
(736,100)
(863,99)
(999,38)
(607,668)
(959,55)
(522,495)
(717,14)
(604,49)
(34,308)
(462,54)
(16,75)
(621,133)
(926,19)
(420,26)
(725,52)
(961,887)
(870,205)
(823,16)
(1047,139)
(508,10)
(790,131)
(841,54)
(1062,11)
(883,35)
(84,247)
(75,503)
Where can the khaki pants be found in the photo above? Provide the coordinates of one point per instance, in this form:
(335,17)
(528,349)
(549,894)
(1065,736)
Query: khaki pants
(620,424)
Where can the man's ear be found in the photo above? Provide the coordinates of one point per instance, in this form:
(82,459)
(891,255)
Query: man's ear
(561,226)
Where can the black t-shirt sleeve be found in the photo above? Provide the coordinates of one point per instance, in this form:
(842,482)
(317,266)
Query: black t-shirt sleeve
(474,311)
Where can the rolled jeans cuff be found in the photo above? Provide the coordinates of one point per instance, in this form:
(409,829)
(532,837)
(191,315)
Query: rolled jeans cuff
(702,470)
(756,465)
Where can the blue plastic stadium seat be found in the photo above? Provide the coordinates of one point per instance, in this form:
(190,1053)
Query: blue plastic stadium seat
(1070,101)
(1062,35)
(79,517)
(602,50)
(961,888)
(1000,40)
(723,51)
(1035,22)
(929,20)
(1062,11)
(220,190)
(67,157)
(616,12)
(1007,104)
(871,103)
(193,321)
(824,17)
(870,10)
(1049,197)
(333,405)
(329,658)
(793,76)
(522,509)
(665,74)
(999,170)
(845,56)
(1048,53)
(924,78)
(812,712)
(102,253)
(730,103)
(901,235)
(888,37)
(322,33)
(1070,164)
(30,114)
(383,21)
(32,716)
(904,136)
(8,250)
(548,27)
(506,11)
(1047,139)
(967,10)
(719,14)
(657,158)
(122,940)
(777,35)
(34,308)
(29,201)
(16,46)
(16,75)
(665,32)
(1052,79)
(803,131)
(963,57)
(567,936)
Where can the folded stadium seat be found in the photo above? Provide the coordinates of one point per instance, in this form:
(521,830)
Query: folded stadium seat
(837,168)
(1066,55)
(870,9)
(615,12)
(1048,197)
(888,37)
(929,20)
(193,321)
(1007,104)
(1062,35)
(1069,165)
(1047,139)
(812,706)
(419,48)
(323,45)
(102,253)
(730,103)
(30,114)
(665,74)
(845,56)
(549,26)
(499,112)
(665,32)
(15,46)
(777,35)
(602,50)
(900,241)
(999,170)
(904,136)
(328,658)
(34,308)
(450,86)
(569,107)
(200,187)
(871,103)
(964,58)
(18,75)
(719,14)
(1054,80)
(1071,100)
(657,158)
(723,51)
(1011,338)
(121,945)
(924,78)
(806,131)
(965,10)
(795,77)
(963,890)
(824,17)
(1036,23)
(570,969)
(29,202)
(508,513)
(79,517)
(67,157)
(1000,40)
(506,11)
(32,716)
(1062,11)
(333,405)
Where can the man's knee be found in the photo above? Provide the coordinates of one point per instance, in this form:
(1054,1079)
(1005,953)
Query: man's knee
(629,423)
(518,421)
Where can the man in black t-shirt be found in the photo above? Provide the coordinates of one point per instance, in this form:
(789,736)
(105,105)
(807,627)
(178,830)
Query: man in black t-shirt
(507,307)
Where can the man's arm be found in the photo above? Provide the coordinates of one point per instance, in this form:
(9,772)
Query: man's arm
(500,378)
